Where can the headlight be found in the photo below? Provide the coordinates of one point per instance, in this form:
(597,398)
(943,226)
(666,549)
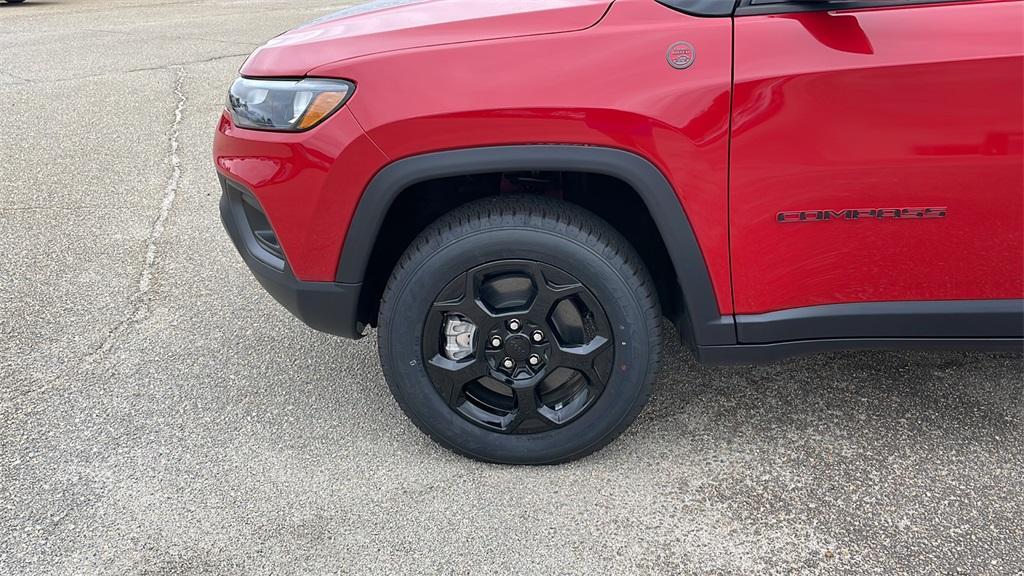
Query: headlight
(286,105)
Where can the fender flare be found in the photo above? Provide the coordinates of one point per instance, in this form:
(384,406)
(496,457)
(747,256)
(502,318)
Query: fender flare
(705,324)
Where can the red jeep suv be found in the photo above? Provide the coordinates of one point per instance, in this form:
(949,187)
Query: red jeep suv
(517,193)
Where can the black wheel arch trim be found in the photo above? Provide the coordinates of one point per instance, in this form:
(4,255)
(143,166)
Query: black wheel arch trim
(704,324)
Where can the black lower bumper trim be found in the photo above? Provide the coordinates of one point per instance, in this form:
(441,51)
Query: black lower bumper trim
(329,307)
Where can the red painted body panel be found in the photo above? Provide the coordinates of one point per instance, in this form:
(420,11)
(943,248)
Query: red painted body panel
(591,89)
(424,23)
(449,96)
(308,184)
(872,108)
(879,108)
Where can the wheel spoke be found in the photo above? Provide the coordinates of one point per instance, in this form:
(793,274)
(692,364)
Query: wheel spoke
(527,409)
(450,377)
(582,360)
(526,406)
(547,293)
(461,299)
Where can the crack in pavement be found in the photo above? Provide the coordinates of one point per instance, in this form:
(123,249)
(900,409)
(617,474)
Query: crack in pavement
(140,300)
(171,191)
(191,62)
(16,79)
(47,81)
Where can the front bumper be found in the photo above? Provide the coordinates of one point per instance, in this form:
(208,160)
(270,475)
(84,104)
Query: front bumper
(329,307)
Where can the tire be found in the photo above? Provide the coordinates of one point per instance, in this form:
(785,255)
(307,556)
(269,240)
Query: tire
(555,269)
(14,1)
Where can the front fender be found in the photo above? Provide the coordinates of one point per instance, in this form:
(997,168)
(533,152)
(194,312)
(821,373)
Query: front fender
(707,325)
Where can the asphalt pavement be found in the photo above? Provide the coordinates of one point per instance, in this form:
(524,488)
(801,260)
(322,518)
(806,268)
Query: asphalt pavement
(160,414)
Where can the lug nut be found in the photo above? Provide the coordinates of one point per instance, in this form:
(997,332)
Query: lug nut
(514,325)
(508,363)
(496,342)
(538,336)
(534,360)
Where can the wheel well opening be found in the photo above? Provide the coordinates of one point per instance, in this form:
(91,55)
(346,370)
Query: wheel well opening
(610,198)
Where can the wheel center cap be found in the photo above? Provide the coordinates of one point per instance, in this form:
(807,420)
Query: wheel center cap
(517,346)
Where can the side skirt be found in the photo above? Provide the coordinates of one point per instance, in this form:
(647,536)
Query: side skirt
(928,325)
(764,353)
(925,319)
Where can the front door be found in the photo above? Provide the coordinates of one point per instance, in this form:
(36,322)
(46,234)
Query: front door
(877,153)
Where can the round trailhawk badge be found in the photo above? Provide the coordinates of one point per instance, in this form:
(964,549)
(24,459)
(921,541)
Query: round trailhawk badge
(682,55)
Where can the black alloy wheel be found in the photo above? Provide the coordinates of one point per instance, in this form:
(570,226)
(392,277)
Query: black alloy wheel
(537,346)
(521,330)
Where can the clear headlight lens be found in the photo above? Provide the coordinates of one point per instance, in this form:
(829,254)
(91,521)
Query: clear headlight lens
(286,105)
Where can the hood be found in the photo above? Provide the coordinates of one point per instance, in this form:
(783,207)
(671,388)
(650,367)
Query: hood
(388,25)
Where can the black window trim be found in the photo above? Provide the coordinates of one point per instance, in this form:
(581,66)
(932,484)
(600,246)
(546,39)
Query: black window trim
(760,7)
(703,8)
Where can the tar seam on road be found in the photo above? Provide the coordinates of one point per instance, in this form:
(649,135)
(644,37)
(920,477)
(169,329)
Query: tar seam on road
(140,300)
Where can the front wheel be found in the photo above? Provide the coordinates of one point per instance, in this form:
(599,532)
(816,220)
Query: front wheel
(520,330)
